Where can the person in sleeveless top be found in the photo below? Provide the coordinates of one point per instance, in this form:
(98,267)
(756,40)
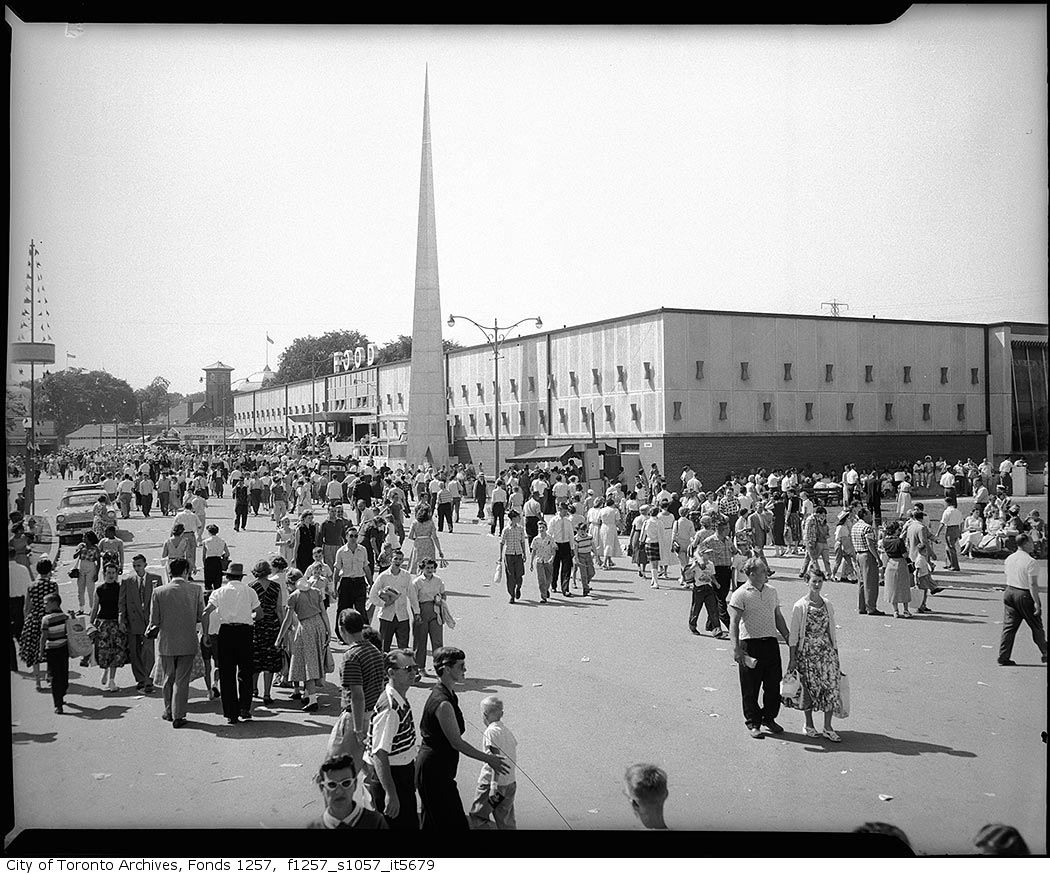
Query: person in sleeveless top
(441,735)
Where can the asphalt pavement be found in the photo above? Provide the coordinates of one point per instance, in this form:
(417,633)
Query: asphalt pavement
(940,741)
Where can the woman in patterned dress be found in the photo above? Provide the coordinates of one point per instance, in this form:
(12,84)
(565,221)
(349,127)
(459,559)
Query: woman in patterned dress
(179,546)
(310,641)
(423,535)
(37,593)
(815,654)
(266,657)
(100,516)
(111,643)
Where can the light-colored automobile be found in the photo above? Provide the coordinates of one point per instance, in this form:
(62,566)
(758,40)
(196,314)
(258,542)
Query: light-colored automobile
(73,516)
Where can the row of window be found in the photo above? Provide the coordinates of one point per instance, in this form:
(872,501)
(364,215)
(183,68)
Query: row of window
(829,373)
(723,414)
(302,409)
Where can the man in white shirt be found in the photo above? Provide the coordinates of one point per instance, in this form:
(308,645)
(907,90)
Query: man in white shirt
(951,525)
(851,479)
(237,606)
(399,609)
(353,575)
(189,520)
(532,512)
(334,491)
(948,484)
(1021,600)
(561,532)
(499,507)
(1006,468)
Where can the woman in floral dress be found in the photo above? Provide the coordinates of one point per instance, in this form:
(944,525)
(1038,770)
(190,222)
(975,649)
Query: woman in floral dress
(266,657)
(111,643)
(37,593)
(309,643)
(814,653)
(423,535)
(100,516)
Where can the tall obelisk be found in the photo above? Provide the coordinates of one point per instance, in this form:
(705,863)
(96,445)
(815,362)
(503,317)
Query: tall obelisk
(427,428)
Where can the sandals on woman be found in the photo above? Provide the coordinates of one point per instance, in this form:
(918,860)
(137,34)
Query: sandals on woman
(831,735)
(812,732)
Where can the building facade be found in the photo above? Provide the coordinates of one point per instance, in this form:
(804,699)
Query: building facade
(718,391)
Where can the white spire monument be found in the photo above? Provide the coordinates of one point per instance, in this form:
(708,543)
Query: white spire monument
(427,412)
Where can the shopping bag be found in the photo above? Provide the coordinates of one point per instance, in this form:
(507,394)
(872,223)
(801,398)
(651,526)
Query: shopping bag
(197,671)
(842,709)
(342,741)
(497,578)
(329,662)
(445,615)
(77,636)
(791,690)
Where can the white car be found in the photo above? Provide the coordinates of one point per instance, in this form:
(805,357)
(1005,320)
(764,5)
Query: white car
(73,516)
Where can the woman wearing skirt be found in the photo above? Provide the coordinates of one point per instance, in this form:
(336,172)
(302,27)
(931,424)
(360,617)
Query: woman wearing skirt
(815,654)
(310,641)
(636,545)
(898,575)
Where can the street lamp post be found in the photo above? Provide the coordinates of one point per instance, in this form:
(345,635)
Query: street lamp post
(495,339)
(314,364)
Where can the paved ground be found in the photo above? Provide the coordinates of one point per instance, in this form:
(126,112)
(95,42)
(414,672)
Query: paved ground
(591,685)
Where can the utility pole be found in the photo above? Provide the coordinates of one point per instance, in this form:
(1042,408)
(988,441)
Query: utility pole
(834,307)
(142,425)
(31,430)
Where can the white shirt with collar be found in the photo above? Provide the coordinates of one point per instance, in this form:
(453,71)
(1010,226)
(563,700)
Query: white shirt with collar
(235,603)
(560,529)
(404,607)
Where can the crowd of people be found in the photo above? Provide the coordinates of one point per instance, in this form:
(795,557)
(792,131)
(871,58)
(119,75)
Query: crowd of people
(377,549)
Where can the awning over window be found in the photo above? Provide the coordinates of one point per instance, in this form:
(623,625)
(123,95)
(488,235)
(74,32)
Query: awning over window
(557,453)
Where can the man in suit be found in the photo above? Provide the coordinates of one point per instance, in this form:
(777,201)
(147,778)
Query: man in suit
(175,609)
(136,592)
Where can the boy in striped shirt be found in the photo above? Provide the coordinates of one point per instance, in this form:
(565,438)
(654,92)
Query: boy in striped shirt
(583,551)
(54,648)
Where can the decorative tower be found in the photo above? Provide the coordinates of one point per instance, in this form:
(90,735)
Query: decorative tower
(217,390)
(427,416)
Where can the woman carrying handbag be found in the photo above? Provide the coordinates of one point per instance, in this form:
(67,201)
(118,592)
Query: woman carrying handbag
(815,656)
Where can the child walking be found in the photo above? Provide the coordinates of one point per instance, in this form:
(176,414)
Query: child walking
(495,794)
(54,648)
(583,553)
(542,551)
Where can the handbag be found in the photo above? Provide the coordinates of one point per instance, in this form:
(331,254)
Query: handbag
(329,662)
(497,578)
(78,640)
(342,741)
(791,690)
(842,708)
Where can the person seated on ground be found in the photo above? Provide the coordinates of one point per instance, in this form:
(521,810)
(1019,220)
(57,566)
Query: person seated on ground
(884,828)
(337,779)
(646,789)
(997,839)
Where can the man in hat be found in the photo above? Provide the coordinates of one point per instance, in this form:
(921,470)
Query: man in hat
(237,606)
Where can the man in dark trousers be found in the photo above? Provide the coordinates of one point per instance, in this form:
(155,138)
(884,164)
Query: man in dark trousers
(480,495)
(237,606)
(873,496)
(561,532)
(755,620)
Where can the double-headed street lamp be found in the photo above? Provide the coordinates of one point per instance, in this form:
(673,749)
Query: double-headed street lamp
(495,339)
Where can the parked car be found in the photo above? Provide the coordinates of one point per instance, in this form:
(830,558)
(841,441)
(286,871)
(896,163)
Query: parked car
(72,517)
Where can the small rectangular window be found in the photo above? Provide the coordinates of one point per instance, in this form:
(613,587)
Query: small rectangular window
(448,395)
(974,380)
(583,414)
(608,413)
(400,400)
(543,418)
(829,370)
(677,415)
(481,391)
(514,387)
(961,412)
(561,413)
(532,384)
(889,412)
(723,406)
(944,376)
(459,422)
(907,374)
(572,379)
(787,371)
(550,382)
(464,388)
(521,418)
(648,368)
(767,411)
(505,419)
(596,377)
(849,412)
(744,375)
(636,413)
(621,373)
(809,412)
(926,413)
(473,422)
(488,421)
(869,375)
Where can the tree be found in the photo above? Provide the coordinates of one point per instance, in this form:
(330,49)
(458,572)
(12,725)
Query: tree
(153,399)
(76,397)
(309,356)
(401,349)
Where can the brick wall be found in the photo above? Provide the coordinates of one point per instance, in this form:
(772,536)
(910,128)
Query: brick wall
(714,456)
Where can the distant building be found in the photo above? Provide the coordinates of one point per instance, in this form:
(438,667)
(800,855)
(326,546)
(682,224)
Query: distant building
(108,434)
(217,393)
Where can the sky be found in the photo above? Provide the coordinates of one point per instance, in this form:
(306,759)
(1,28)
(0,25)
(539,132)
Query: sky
(194,189)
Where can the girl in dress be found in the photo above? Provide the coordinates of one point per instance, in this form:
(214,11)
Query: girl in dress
(286,540)
(898,574)
(35,609)
(423,535)
(111,643)
(309,642)
(636,545)
(179,546)
(88,558)
(815,654)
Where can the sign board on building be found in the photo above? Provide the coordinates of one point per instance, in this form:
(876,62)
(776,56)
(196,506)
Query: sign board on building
(351,360)
(647,445)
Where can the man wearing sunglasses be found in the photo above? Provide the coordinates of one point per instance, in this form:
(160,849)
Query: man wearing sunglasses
(337,780)
(391,745)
